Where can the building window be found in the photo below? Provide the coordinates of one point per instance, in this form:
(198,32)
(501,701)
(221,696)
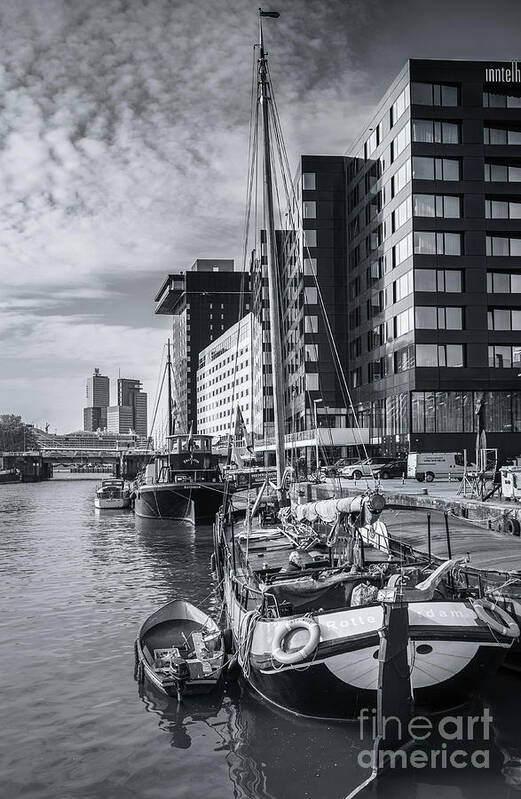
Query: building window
(442,411)
(433,355)
(310,266)
(399,106)
(355,377)
(501,135)
(401,178)
(403,286)
(310,352)
(443,280)
(311,324)
(502,209)
(402,250)
(502,173)
(432,130)
(401,141)
(424,168)
(309,181)
(404,322)
(439,318)
(404,359)
(402,214)
(504,319)
(432,243)
(437,205)
(310,295)
(433,94)
(310,238)
(496,100)
(309,210)
(372,142)
(503,283)
(504,356)
(312,381)
(503,245)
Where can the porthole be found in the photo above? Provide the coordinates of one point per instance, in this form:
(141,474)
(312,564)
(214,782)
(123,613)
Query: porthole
(423,649)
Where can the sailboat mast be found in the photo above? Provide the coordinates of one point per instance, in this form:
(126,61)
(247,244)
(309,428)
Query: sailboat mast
(273,282)
(169,384)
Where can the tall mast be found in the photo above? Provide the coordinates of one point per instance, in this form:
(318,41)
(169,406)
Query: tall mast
(169,384)
(273,277)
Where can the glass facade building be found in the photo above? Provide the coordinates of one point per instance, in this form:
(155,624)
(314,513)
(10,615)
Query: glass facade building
(434,261)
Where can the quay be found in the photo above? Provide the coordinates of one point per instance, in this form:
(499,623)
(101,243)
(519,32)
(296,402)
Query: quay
(487,531)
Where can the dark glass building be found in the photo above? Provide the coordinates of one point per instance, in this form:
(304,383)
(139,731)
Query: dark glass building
(204,301)
(434,260)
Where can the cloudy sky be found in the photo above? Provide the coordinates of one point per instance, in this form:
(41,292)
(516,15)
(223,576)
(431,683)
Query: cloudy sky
(123,136)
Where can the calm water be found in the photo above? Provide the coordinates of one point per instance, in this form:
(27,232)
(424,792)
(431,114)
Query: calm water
(75,584)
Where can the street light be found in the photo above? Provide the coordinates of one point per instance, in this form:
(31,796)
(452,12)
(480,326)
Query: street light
(315,403)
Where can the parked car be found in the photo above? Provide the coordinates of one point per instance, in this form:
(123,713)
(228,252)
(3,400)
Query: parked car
(332,469)
(393,469)
(364,468)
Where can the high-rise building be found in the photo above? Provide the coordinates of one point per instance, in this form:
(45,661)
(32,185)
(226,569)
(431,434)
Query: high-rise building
(204,302)
(434,238)
(224,381)
(95,414)
(129,407)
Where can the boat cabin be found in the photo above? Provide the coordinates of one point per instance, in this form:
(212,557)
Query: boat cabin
(189,457)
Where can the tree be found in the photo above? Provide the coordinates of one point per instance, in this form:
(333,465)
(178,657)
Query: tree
(15,435)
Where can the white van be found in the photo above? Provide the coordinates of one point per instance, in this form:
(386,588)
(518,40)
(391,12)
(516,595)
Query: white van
(432,465)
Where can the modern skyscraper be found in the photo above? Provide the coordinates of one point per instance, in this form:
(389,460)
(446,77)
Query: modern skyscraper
(95,414)
(204,302)
(129,407)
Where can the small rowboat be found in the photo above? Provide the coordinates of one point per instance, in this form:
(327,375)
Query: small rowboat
(113,494)
(180,650)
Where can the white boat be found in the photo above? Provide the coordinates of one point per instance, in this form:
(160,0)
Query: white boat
(113,494)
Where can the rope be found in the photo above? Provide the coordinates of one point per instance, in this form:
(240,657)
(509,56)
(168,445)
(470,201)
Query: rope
(246,629)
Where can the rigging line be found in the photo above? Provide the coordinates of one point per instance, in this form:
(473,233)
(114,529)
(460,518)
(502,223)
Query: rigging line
(158,399)
(158,392)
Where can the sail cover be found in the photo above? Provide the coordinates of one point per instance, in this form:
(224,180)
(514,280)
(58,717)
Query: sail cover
(325,510)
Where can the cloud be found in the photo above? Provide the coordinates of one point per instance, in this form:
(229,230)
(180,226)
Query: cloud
(123,148)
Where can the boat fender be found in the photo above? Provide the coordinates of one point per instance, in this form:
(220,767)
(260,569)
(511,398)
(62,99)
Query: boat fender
(484,608)
(288,658)
(213,565)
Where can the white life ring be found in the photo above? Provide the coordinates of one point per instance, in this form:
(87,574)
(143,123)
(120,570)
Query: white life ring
(483,609)
(287,658)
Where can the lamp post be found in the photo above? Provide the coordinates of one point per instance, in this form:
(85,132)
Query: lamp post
(315,403)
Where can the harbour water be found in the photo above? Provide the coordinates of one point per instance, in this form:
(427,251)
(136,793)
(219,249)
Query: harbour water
(75,584)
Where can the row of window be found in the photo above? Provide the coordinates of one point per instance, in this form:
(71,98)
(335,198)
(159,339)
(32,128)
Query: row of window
(420,355)
(494,135)
(453,411)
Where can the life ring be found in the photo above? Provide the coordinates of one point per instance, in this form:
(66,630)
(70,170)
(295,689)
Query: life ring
(483,608)
(288,658)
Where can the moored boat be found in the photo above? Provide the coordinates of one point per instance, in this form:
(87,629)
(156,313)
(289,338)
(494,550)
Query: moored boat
(113,494)
(180,650)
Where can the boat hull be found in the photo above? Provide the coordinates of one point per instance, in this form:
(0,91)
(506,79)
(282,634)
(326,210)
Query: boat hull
(450,655)
(194,502)
(112,504)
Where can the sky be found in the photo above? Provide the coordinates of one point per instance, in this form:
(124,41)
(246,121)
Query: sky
(123,155)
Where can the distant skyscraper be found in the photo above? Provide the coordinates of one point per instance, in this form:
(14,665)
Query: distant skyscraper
(95,414)
(129,407)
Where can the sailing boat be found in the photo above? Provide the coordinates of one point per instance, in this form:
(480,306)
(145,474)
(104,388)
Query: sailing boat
(308,594)
(183,483)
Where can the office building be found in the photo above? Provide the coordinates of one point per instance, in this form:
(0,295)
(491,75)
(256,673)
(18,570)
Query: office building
(127,393)
(95,414)
(204,301)
(434,241)
(120,419)
(225,381)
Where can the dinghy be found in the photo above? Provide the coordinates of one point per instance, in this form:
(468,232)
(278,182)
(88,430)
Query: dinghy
(180,650)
